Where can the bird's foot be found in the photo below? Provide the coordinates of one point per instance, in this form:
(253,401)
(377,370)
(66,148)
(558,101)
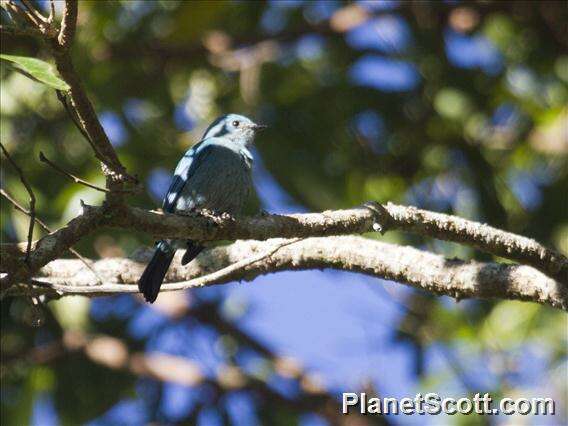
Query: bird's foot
(226,216)
(381,216)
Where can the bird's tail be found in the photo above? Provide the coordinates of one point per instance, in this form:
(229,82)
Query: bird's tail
(152,277)
(193,249)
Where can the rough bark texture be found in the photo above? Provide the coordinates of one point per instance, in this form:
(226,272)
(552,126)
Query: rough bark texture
(354,221)
(68,24)
(245,260)
(481,236)
(207,227)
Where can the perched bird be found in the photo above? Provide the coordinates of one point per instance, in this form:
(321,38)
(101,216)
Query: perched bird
(215,174)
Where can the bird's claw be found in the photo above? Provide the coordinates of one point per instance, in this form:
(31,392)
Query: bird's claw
(380,215)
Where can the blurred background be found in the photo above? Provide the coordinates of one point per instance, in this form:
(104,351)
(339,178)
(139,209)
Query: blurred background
(453,106)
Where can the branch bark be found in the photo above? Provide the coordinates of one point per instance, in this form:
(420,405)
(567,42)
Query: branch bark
(88,119)
(49,248)
(68,25)
(40,222)
(353,221)
(419,269)
(80,103)
(481,236)
(207,227)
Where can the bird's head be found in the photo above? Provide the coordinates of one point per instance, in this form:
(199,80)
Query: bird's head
(235,127)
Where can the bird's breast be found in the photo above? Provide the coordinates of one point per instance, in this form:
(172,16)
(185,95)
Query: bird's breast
(222,183)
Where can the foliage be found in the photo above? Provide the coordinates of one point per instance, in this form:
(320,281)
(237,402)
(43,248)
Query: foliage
(37,70)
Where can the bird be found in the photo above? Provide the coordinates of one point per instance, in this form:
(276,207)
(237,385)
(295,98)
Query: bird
(214,175)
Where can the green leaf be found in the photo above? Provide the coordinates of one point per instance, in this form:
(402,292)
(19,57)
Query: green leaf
(38,70)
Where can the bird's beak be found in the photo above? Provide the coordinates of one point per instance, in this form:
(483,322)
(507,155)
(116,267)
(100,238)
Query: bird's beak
(257,127)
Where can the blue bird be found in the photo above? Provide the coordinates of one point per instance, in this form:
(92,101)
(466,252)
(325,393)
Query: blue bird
(215,174)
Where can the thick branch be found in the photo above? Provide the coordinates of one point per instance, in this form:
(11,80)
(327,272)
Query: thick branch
(88,118)
(359,220)
(80,103)
(423,270)
(481,236)
(353,221)
(49,248)
(43,226)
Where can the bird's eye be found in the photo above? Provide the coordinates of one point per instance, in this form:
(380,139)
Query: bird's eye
(236,123)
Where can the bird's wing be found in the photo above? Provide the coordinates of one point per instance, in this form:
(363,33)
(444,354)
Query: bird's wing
(183,172)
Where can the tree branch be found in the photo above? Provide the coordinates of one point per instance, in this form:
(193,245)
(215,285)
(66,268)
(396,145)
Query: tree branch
(74,178)
(353,221)
(33,11)
(88,119)
(23,13)
(481,236)
(89,124)
(27,19)
(46,228)
(62,96)
(68,25)
(431,272)
(207,227)
(32,200)
(49,248)
(51,16)
(80,103)
(242,261)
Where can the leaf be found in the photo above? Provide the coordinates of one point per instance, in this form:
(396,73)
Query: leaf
(38,70)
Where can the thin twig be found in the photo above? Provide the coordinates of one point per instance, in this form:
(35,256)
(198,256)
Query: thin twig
(21,208)
(25,14)
(46,228)
(74,178)
(32,200)
(36,308)
(51,16)
(33,11)
(72,113)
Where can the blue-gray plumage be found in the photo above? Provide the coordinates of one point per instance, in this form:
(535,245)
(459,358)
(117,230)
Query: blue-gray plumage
(214,174)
